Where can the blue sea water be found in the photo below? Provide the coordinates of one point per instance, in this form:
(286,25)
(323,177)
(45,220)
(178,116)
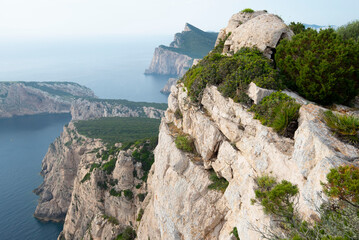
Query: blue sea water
(112,67)
(23,144)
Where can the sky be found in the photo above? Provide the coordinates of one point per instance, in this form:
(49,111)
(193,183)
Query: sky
(79,18)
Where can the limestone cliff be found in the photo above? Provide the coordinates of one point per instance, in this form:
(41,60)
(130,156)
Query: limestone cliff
(179,203)
(238,148)
(167,62)
(27,98)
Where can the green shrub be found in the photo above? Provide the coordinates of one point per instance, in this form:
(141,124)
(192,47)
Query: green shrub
(320,66)
(140,214)
(141,196)
(219,184)
(247,10)
(128,194)
(231,73)
(350,30)
(102,185)
(127,234)
(278,111)
(68,144)
(343,184)
(297,27)
(86,177)
(346,127)
(115,193)
(109,166)
(339,215)
(94,165)
(184,143)
(111,219)
(138,186)
(235,233)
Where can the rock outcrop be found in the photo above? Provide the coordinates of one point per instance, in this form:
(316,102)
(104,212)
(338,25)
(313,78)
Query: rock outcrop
(258,29)
(84,109)
(27,98)
(238,148)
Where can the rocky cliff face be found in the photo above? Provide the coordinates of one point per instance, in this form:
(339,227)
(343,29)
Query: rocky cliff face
(59,169)
(83,109)
(167,62)
(27,98)
(238,148)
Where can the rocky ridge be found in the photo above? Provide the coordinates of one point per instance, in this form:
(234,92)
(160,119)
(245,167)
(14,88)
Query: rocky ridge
(227,140)
(238,148)
(27,98)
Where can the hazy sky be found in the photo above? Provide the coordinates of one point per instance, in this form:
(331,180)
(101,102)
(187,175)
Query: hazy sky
(53,18)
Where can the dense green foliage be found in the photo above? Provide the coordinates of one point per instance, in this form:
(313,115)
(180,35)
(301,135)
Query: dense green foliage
(320,66)
(128,194)
(339,215)
(140,214)
(109,166)
(235,233)
(86,177)
(343,184)
(185,143)
(195,43)
(127,234)
(346,127)
(117,129)
(219,184)
(111,219)
(231,73)
(247,10)
(115,193)
(350,30)
(297,27)
(141,196)
(279,111)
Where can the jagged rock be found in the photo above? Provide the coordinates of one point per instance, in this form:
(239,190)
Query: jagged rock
(59,169)
(235,21)
(250,151)
(261,30)
(257,93)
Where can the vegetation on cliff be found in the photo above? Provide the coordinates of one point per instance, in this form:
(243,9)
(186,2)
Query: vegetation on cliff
(278,111)
(320,66)
(339,215)
(116,129)
(231,73)
(194,43)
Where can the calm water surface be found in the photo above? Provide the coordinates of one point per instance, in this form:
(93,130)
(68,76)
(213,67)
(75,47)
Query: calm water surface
(23,144)
(112,67)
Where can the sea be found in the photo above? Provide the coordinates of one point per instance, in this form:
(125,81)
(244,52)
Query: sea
(112,67)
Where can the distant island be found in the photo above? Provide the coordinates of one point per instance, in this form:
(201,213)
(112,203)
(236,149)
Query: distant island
(174,60)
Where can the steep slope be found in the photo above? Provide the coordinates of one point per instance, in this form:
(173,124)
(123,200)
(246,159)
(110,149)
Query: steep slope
(192,43)
(27,98)
(238,148)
